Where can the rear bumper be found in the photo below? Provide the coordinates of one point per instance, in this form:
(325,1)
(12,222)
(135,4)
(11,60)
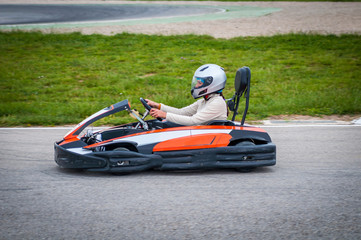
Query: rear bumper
(128,161)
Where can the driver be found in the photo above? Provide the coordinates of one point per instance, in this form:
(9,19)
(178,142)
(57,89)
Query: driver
(208,82)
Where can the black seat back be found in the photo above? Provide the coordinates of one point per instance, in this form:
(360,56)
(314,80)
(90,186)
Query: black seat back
(242,79)
(242,84)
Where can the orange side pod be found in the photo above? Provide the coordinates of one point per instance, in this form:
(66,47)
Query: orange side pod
(194,142)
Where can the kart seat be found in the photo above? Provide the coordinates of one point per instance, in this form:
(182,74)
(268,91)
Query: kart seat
(164,124)
(221,123)
(167,124)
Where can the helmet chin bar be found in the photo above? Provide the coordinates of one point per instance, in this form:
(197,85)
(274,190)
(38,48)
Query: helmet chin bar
(196,95)
(242,86)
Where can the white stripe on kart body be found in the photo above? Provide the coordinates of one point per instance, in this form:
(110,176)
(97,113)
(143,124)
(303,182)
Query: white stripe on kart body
(151,138)
(145,139)
(209,131)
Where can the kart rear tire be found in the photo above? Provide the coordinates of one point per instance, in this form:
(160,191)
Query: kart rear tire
(245,169)
(246,143)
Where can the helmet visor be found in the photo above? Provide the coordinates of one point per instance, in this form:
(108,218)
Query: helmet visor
(199,82)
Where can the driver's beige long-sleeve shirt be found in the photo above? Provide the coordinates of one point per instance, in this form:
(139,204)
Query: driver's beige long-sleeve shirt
(199,113)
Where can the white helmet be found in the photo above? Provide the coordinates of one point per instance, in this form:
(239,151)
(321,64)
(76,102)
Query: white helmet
(207,79)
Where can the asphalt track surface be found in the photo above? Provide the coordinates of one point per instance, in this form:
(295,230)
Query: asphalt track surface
(41,13)
(313,192)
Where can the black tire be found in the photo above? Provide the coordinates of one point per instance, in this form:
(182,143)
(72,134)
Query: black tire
(246,143)
(245,169)
(121,149)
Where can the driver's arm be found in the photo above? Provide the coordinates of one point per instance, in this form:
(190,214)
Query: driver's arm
(185,111)
(153,104)
(214,110)
(156,113)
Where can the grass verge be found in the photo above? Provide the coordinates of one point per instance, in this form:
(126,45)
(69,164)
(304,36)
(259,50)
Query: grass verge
(57,79)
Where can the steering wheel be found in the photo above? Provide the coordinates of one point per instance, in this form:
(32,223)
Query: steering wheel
(145,104)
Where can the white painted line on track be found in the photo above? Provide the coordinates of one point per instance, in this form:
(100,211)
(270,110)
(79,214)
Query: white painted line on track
(43,128)
(35,128)
(357,121)
(261,126)
(306,125)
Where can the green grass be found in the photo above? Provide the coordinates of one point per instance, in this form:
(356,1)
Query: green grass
(56,79)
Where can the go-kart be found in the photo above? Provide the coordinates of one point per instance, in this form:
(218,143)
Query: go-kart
(161,145)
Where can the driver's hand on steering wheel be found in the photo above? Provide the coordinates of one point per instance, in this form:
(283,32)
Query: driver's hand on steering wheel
(157,113)
(152,104)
